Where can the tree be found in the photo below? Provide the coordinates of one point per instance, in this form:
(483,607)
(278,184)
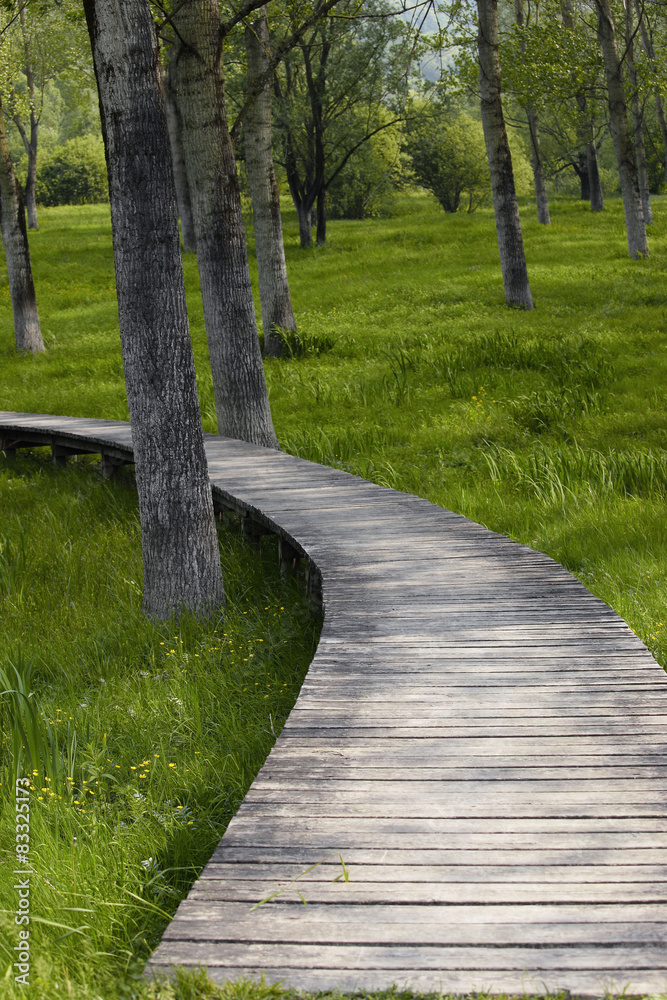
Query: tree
(27,331)
(448,157)
(623,147)
(175,124)
(506,209)
(274,294)
(647,42)
(333,92)
(42,40)
(241,397)
(179,541)
(637,115)
(534,130)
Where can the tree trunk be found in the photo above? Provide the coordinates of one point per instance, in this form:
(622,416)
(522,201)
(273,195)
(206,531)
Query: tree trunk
(30,144)
(506,209)
(594,182)
(589,174)
(321,231)
(541,196)
(305,225)
(581,170)
(179,540)
(175,126)
(27,332)
(241,397)
(634,216)
(31,179)
(637,118)
(274,292)
(535,145)
(648,48)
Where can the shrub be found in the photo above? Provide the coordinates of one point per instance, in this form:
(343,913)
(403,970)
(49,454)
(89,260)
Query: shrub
(364,187)
(74,174)
(449,159)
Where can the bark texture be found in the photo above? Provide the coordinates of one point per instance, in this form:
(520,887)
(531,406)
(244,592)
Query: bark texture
(506,209)
(623,147)
(179,541)
(241,397)
(27,332)
(541,197)
(274,293)
(594,182)
(183,200)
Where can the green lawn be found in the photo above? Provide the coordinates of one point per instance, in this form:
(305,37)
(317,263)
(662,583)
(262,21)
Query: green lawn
(547,426)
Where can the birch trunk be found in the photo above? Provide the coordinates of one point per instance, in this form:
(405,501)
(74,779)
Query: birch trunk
(183,201)
(637,117)
(535,146)
(179,541)
(506,209)
(27,332)
(648,48)
(627,169)
(241,397)
(274,294)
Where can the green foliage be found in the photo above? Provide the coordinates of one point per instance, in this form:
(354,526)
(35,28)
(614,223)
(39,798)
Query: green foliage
(448,158)
(364,188)
(74,174)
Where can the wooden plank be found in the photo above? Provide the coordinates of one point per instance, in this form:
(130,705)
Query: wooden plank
(589,985)
(399,956)
(372,893)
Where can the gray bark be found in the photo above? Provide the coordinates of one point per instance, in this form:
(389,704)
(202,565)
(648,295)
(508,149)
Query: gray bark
(506,209)
(183,201)
(27,332)
(305,217)
(627,169)
(595,184)
(321,219)
(637,117)
(241,397)
(648,48)
(541,196)
(535,145)
(274,293)
(179,541)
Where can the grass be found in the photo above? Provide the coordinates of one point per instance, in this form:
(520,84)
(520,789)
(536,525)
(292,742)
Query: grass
(408,369)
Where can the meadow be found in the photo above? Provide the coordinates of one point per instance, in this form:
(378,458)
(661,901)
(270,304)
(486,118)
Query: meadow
(407,369)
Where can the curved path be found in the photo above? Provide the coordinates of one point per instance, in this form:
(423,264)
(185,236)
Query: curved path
(479,739)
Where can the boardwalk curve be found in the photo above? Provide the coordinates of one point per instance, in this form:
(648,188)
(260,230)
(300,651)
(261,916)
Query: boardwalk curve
(474,772)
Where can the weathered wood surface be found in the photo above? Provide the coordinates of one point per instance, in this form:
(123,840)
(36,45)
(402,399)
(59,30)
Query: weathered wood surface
(479,742)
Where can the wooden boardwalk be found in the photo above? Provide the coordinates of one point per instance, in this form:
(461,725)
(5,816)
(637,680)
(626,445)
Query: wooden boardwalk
(479,739)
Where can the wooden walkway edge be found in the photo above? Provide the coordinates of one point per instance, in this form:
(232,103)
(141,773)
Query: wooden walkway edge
(470,793)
